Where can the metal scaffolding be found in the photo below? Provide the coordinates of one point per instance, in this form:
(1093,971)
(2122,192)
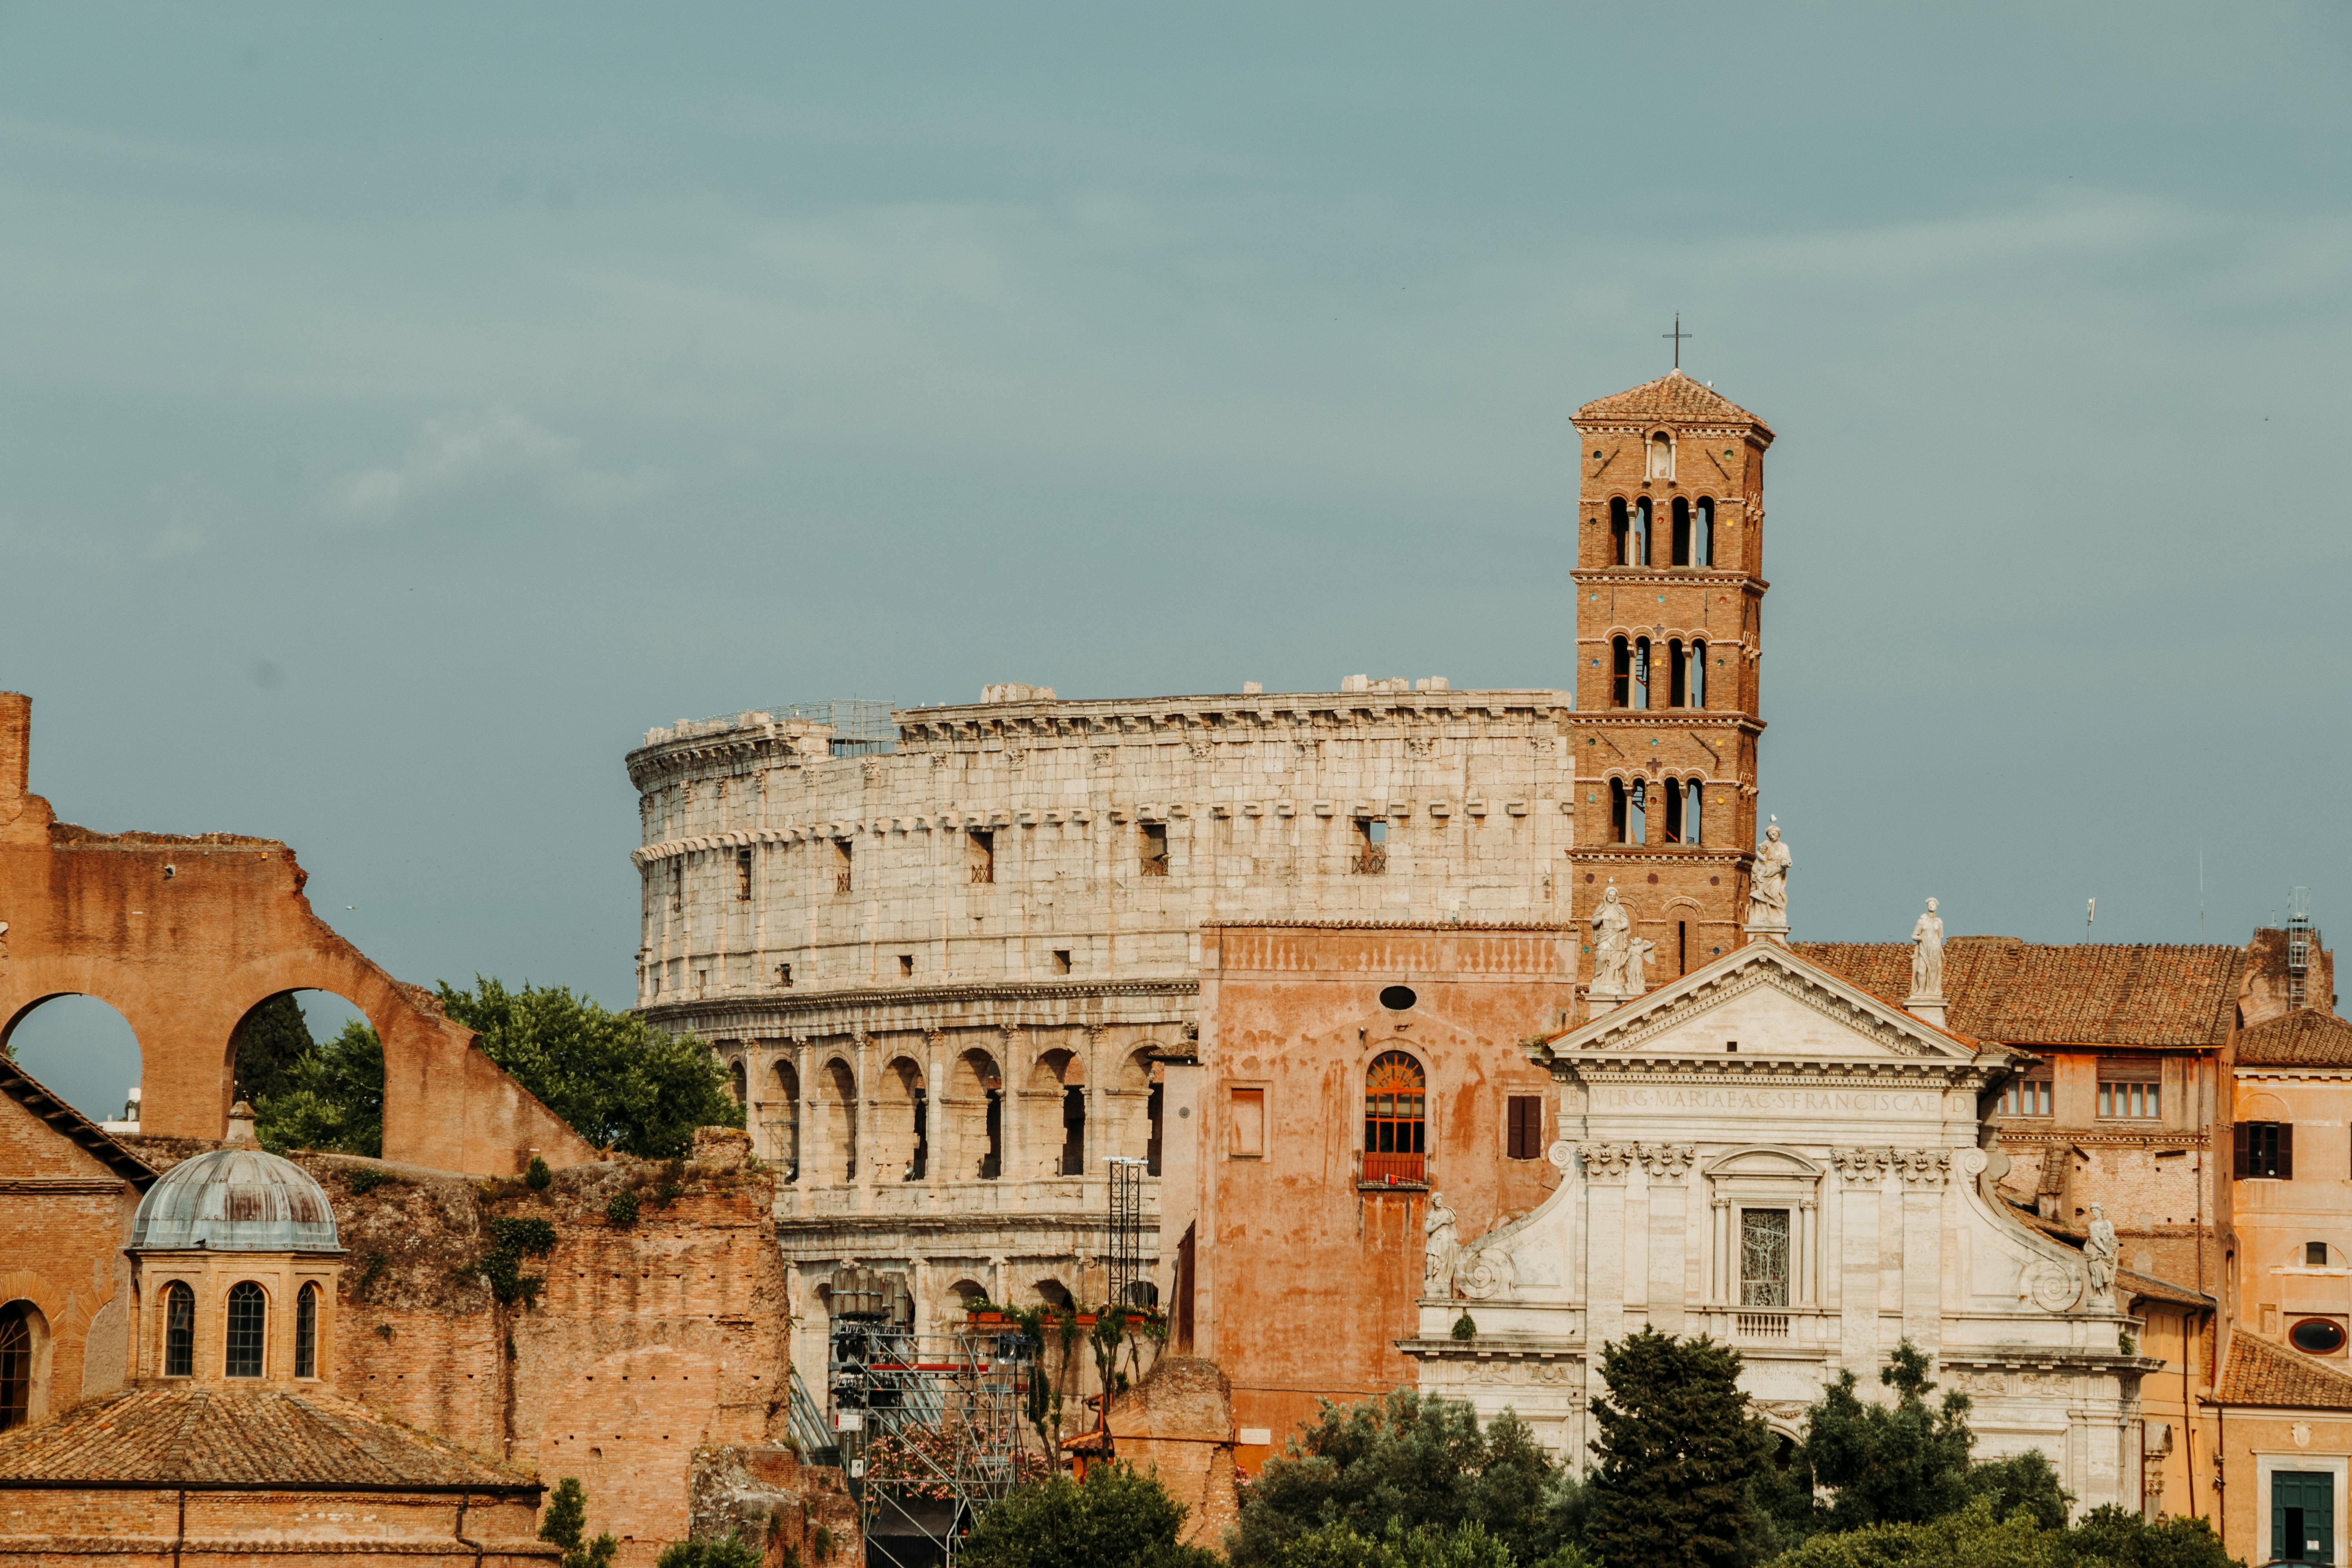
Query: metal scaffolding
(931,1427)
(1130,1278)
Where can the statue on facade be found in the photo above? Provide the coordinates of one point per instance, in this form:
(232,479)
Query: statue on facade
(1927,953)
(2100,1250)
(1638,953)
(1768,888)
(1438,1249)
(1612,945)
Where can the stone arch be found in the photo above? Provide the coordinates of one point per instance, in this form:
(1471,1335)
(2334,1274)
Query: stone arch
(93,1043)
(835,1100)
(902,1114)
(252,1055)
(974,1114)
(1056,1102)
(780,1120)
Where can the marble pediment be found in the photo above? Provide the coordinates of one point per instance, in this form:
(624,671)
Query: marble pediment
(1760,1005)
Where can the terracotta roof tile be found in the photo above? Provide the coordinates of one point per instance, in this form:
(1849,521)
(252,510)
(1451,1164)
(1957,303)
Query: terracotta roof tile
(2262,1372)
(2311,1037)
(192,1437)
(1674,395)
(2017,993)
(2148,1287)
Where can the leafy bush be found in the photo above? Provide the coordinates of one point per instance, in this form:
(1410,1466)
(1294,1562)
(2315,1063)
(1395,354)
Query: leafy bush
(538,1176)
(511,1239)
(731,1553)
(622,1208)
(363,1181)
(330,1098)
(1113,1519)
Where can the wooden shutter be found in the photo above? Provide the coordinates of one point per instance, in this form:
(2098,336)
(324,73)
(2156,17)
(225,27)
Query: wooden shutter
(1524,1119)
(2238,1151)
(2286,1151)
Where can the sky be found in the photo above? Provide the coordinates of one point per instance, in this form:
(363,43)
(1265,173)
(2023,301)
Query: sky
(402,408)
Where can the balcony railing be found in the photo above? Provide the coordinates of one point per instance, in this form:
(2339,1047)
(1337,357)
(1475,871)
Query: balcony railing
(1762,1325)
(1390,1169)
(1369,862)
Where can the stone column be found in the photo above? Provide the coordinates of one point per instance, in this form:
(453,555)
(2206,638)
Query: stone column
(1098,1140)
(804,1112)
(868,1105)
(1014,1142)
(941,1125)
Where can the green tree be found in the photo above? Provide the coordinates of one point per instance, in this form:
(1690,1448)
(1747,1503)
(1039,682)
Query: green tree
(1412,1459)
(619,1082)
(2025,1482)
(271,1041)
(2112,1537)
(1970,1539)
(1676,1456)
(1468,1545)
(733,1551)
(332,1097)
(1902,1463)
(1113,1519)
(566,1525)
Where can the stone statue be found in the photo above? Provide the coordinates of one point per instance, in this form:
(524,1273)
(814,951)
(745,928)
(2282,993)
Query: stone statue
(1927,953)
(1637,956)
(1768,890)
(1612,945)
(2100,1251)
(1438,1250)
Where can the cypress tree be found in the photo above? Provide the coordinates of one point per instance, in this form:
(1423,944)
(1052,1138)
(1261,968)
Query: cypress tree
(1677,1453)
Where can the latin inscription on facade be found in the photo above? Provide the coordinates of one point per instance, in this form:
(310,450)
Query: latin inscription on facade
(1765,1101)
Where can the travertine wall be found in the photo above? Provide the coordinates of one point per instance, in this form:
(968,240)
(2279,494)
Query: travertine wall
(966,945)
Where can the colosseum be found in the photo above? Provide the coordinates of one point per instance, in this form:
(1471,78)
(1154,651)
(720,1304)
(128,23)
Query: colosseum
(946,956)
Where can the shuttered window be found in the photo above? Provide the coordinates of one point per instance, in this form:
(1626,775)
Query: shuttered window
(2262,1149)
(1524,1121)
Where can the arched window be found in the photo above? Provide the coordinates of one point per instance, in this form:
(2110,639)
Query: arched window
(1637,812)
(1693,811)
(783,1121)
(1396,1096)
(1677,674)
(179,1331)
(1702,552)
(1620,673)
(247,1318)
(1619,533)
(15,1365)
(1661,457)
(305,1333)
(1695,681)
(1681,540)
(1673,790)
(1638,545)
(735,1081)
(1641,672)
(1617,806)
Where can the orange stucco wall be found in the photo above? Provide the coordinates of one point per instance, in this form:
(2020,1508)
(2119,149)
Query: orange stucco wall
(183,936)
(1304,1277)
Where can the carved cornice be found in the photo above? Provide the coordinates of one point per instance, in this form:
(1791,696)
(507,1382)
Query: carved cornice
(1608,1162)
(1625,1040)
(1666,1162)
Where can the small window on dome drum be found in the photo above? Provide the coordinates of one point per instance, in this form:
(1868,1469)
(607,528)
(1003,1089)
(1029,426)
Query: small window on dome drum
(305,1333)
(248,1316)
(179,1331)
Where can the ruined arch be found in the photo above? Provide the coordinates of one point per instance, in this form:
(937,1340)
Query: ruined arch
(81,1048)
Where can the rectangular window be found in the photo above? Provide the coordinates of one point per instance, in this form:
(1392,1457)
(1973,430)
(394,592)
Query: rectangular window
(842,862)
(2027,1096)
(1155,848)
(677,887)
(1061,961)
(305,1333)
(2129,1088)
(743,876)
(906,966)
(1763,1258)
(1371,847)
(2262,1149)
(1248,1124)
(2314,1255)
(1524,1123)
(979,858)
(2303,1516)
(784,976)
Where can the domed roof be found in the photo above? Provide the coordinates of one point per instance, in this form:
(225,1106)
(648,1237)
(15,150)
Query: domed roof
(236,1199)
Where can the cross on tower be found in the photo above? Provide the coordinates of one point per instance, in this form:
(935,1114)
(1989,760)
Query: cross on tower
(1678,335)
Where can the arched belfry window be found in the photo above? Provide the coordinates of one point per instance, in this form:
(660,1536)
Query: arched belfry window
(1641,672)
(248,1316)
(16,1364)
(1693,811)
(1620,673)
(1703,533)
(1619,532)
(1629,811)
(1396,1098)
(1638,546)
(1661,457)
(179,1331)
(1695,676)
(1677,674)
(1682,535)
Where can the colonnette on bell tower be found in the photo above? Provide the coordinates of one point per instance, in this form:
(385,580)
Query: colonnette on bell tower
(1669,616)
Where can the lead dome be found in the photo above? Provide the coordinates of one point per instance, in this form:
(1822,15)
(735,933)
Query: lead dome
(236,1199)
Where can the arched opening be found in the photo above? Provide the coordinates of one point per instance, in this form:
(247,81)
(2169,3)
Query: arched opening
(305,1333)
(84,1052)
(1695,678)
(1703,533)
(780,1119)
(1619,533)
(1661,456)
(1620,673)
(1053,1293)
(179,1329)
(1672,792)
(976,1105)
(311,1066)
(1629,811)
(838,1097)
(1396,1098)
(1693,811)
(1058,1093)
(1681,532)
(902,1139)
(23,1365)
(1677,674)
(737,1083)
(1638,546)
(1131,1102)
(248,1321)
(1642,672)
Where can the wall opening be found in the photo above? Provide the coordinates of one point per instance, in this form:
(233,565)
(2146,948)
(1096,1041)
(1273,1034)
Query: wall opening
(1681,532)
(844,863)
(84,1052)
(1642,672)
(780,1119)
(903,1143)
(1620,673)
(23,1371)
(975,1105)
(311,1066)
(1677,674)
(1638,545)
(1396,1095)
(1703,533)
(1619,532)
(743,876)
(1661,457)
(979,857)
(1153,837)
(839,1086)
(1695,677)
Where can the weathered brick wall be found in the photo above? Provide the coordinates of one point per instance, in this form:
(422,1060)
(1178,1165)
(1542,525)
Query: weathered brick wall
(794,1513)
(64,1214)
(644,1341)
(265,1529)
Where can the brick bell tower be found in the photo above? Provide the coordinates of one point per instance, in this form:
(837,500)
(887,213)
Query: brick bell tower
(1669,614)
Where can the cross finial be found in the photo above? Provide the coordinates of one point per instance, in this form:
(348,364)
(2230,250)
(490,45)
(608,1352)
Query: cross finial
(1678,335)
